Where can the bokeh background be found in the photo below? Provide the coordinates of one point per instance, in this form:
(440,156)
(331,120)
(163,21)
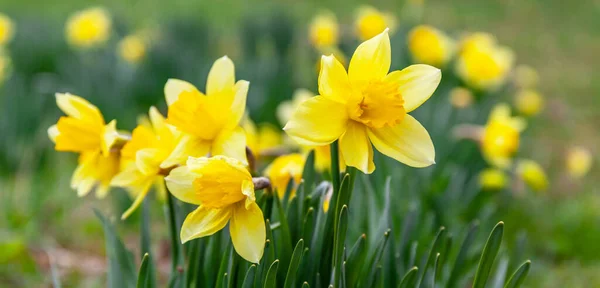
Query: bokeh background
(268,42)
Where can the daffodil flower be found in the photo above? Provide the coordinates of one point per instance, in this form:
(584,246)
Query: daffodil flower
(533,175)
(88,28)
(262,139)
(84,131)
(142,156)
(223,189)
(492,179)
(500,140)
(210,122)
(324,30)
(282,170)
(429,45)
(368,105)
(7,29)
(579,161)
(370,22)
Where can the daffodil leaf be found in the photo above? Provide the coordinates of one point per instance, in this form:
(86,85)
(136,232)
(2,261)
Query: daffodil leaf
(436,247)
(375,260)
(143,280)
(410,278)
(177,263)
(213,258)
(249,278)
(195,257)
(305,285)
(436,264)
(224,266)
(284,233)
(293,218)
(338,245)
(290,278)
(378,277)
(288,193)
(271,279)
(459,262)
(308,225)
(488,255)
(145,243)
(517,278)
(355,260)
(308,174)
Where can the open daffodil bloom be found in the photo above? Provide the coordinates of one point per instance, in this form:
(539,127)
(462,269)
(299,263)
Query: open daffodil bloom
(368,105)
(501,136)
(223,189)
(210,122)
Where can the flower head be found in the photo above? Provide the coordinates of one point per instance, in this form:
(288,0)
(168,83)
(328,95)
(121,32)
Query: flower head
(370,22)
(492,179)
(500,139)
(578,161)
(95,171)
(429,45)
(88,28)
(7,29)
(366,105)
(482,64)
(323,30)
(209,122)
(223,189)
(533,174)
(261,139)
(132,49)
(461,97)
(282,170)
(142,156)
(529,102)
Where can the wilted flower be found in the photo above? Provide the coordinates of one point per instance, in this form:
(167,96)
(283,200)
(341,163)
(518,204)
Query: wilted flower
(132,48)
(282,170)
(492,179)
(370,22)
(7,29)
(89,27)
(532,174)
(526,77)
(500,139)
(141,158)
(261,139)
(368,105)
(223,189)
(210,122)
(529,102)
(84,131)
(429,45)
(323,30)
(578,161)
(461,97)
(482,64)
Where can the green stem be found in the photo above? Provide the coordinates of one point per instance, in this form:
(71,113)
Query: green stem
(335,167)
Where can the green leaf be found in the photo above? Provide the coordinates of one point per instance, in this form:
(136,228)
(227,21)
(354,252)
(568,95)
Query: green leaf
(410,278)
(375,260)
(288,192)
(459,263)
(335,165)
(249,278)
(488,255)
(177,263)
(436,247)
(143,280)
(378,277)
(308,174)
(271,279)
(121,268)
(519,276)
(145,242)
(305,285)
(293,219)
(286,240)
(338,245)
(308,225)
(435,269)
(195,253)
(290,278)
(355,260)
(224,266)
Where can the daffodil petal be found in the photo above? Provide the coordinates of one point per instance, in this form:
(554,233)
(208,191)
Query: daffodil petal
(221,76)
(157,119)
(53,133)
(333,80)
(407,142)
(317,121)
(141,193)
(356,148)
(371,60)
(79,108)
(204,222)
(416,83)
(248,191)
(180,183)
(238,107)
(248,231)
(187,146)
(174,87)
(232,144)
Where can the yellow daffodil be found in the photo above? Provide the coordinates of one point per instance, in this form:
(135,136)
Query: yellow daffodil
(533,175)
(529,102)
(461,97)
(84,131)
(210,122)
(336,52)
(323,30)
(482,64)
(282,170)
(429,45)
(370,22)
(526,77)
(7,29)
(132,49)
(368,105)
(223,189)
(579,161)
(141,158)
(261,139)
(88,28)
(492,179)
(500,139)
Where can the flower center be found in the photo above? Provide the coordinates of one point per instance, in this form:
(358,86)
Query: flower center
(382,104)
